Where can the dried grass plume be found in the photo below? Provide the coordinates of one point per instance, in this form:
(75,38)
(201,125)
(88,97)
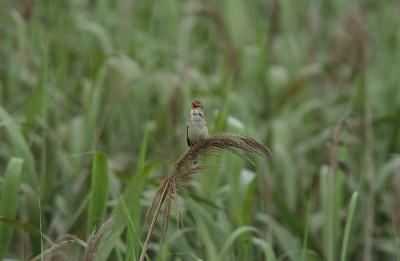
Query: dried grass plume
(180,176)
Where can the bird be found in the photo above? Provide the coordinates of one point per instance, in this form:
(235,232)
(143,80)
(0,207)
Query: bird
(196,129)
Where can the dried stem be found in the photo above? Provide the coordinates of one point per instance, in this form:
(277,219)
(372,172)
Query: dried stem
(370,168)
(152,225)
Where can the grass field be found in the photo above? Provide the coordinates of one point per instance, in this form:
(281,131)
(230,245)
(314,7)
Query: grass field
(94,101)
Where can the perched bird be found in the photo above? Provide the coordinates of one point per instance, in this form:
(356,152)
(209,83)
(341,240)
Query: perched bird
(196,129)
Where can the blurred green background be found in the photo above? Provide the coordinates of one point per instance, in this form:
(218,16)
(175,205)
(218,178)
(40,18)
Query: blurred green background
(95,96)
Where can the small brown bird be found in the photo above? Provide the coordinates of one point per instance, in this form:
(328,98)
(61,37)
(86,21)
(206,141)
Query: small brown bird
(196,129)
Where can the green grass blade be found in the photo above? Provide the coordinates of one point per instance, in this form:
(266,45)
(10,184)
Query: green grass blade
(9,200)
(98,192)
(209,231)
(40,225)
(25,227)
(220,120)
(266,248)
(131,255)
(306,232)
(134,191)
(288,242)
(131,197)
(328,190)
(229,243)
(31,198)
(347,229)
(20,147)
(396,239)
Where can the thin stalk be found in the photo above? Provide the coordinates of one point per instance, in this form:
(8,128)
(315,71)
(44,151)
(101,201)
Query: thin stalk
(305,238)
(370,168)
(152,225)
(396,239)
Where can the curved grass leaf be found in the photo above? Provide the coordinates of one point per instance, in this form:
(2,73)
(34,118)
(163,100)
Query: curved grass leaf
(98,192)
(20,148)
(25,227)
(228,244)
(347,229)
(131,255)
(31,198)
(9,200)
(266,248)
(131,197)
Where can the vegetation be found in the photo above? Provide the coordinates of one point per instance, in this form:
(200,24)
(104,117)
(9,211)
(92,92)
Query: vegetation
(94,100)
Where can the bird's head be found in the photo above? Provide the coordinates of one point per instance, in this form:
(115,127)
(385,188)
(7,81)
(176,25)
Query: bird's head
(197,105)
(197,110)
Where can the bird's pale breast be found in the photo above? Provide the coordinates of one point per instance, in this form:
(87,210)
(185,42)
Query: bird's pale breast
(197,131)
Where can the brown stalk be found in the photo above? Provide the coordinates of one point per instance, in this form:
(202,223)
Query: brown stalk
(350,46)
(183,169)
(333,164)
(226,43)
(66,249)
(370,168)
(153,221)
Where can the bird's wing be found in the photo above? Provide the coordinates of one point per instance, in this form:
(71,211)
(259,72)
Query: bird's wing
(187,134)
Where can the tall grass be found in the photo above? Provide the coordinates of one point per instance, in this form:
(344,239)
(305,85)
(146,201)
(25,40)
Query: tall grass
(9,200)
(315,80)
(99,192)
